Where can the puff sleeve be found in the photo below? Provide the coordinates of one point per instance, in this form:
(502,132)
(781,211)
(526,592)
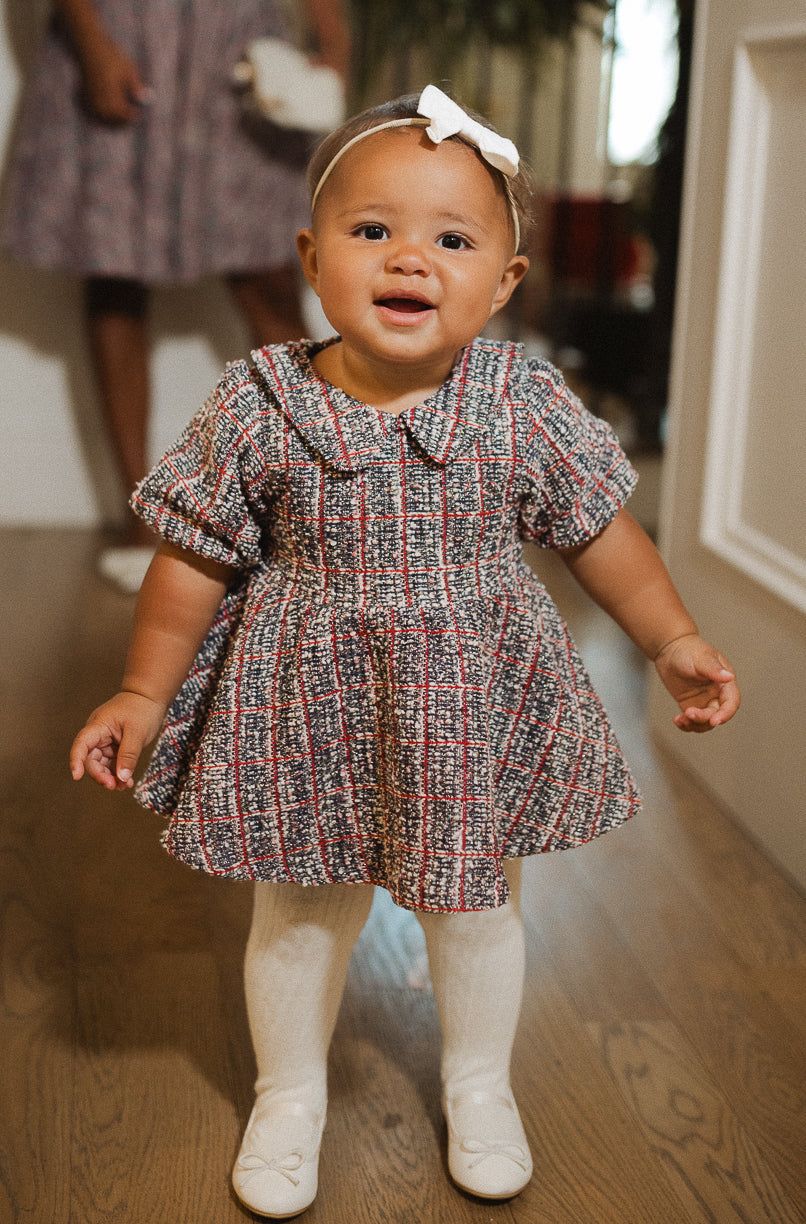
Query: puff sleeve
(207,492)
(576,476)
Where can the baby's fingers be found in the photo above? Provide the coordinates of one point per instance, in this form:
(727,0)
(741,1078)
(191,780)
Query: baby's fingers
(128,755)
(93,754)
(697,718)
(729,702)
(109,746)
(100,766)
(86,742)
(719,710)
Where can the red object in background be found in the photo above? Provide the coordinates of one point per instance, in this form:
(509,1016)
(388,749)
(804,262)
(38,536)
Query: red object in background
(586,244)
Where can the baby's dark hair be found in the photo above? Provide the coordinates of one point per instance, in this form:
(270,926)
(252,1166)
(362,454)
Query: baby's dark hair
(518,190)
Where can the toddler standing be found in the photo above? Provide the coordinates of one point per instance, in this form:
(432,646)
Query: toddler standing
(359,682)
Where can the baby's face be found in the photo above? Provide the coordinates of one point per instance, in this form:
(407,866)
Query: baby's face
(411,249)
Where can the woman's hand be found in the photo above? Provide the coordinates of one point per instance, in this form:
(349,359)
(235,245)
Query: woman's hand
(109,746)
(331,27)
(112,86)
(701,681)
(114,91)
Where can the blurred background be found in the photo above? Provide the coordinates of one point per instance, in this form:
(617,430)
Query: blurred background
(594,95)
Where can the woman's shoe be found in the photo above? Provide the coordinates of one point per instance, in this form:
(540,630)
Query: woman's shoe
(126,568)
(276,1173)
(488,1154)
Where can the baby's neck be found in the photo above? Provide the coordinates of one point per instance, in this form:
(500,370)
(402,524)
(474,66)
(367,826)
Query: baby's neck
(393,393)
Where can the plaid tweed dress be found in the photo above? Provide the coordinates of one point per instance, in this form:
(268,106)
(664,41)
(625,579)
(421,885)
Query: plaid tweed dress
(387,693)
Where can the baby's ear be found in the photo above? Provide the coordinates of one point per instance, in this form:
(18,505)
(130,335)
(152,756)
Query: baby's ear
(306,247)
(513,274)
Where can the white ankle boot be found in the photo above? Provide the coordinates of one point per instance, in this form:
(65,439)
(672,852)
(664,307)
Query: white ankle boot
(276,1173)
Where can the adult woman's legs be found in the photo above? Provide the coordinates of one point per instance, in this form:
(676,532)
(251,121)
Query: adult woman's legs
(270,303)
(477,968)
(115,310)
(116,326)
(296,964)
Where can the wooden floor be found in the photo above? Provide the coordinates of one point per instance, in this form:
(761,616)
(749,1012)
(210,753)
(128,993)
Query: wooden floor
(660,1063)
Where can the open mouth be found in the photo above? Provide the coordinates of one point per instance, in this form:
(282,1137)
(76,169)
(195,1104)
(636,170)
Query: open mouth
(404,305)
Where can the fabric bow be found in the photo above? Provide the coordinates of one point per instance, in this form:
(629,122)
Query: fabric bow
(286,1165)
(448,119)
(481,1150)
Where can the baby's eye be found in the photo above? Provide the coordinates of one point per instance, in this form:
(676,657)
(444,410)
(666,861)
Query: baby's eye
(372,232)
(453,242)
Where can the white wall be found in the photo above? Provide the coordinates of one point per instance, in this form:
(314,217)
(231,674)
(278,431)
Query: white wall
(55,467)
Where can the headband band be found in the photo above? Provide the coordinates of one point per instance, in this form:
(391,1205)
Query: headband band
(442,117)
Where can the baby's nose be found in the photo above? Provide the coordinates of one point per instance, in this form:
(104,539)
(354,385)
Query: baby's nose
(410,257)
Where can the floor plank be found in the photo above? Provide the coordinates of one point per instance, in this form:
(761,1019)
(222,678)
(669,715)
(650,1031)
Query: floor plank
(593,1163)
(742,1038)
(35,1020)
(660,1061)
(708,1156)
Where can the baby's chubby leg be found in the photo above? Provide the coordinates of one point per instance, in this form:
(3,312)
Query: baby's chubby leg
(477,966)
(296,963)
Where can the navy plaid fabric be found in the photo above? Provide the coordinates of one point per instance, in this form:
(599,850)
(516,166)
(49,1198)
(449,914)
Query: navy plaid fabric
(388,694)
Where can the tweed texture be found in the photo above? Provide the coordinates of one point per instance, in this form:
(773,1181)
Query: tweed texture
(388,694)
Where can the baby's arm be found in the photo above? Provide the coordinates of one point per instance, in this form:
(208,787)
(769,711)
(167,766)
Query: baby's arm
(623,572)
(177,603)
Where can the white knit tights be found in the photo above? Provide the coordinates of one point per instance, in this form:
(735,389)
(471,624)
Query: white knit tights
(477,964)
(296,964)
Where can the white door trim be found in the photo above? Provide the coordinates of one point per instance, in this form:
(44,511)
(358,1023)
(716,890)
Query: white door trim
(726,525)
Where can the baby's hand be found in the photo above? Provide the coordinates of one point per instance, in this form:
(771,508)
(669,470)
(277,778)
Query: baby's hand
(701,681)
(109,746)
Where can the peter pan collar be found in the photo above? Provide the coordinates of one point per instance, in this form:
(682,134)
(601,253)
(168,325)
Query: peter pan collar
(348,434)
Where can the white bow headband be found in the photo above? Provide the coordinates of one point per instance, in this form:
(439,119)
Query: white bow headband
(441,118)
